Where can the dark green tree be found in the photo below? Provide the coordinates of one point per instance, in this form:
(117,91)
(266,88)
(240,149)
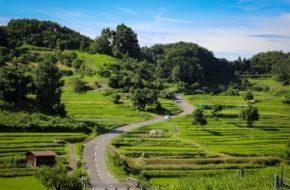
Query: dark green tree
(3,37)
(14,84)
(216,108)
(103,43)
(143,97)
(79,86)
(116,98)
(248,96)
(199,117)
(250,115)
(57,178)
(48,88)
(125,42)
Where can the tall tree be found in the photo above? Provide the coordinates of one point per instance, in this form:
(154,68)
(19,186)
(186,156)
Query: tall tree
(198,117)
(125,42)
(142,97)
(14,84)
(48,88)
(250,115)
(3,37)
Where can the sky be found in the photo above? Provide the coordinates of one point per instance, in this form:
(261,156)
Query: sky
(228,28)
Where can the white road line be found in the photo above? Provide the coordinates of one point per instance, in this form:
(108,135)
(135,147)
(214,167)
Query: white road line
(95,153)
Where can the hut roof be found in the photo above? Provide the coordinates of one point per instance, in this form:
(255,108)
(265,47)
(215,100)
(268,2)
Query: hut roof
(42,153)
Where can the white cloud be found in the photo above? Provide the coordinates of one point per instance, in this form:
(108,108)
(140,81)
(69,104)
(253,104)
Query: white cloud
(235,39)
(127,11)
(226,37)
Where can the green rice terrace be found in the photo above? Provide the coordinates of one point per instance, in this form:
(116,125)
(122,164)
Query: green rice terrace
(163,152)
(13,147)
(103,112)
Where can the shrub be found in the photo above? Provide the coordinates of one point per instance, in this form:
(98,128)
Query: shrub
(116,98)
(232,92)
(248,95)
(286,99)
(86,70)
(260,88)
(108,92)
(79,86)
(77,63)
(167,94)
(66,72)
(22,121)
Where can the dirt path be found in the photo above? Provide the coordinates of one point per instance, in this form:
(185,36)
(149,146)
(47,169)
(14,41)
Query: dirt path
(95,151)
(72,157)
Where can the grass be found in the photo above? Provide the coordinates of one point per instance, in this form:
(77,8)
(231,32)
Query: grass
(23,183)
(95,61)
(92,105)
(220,148)
(13,147)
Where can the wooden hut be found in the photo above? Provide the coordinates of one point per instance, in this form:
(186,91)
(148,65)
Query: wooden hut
(38,158)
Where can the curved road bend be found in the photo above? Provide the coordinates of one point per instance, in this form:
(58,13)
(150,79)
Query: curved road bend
(95,156)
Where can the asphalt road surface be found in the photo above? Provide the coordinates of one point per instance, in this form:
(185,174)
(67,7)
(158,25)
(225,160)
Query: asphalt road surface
(95,156)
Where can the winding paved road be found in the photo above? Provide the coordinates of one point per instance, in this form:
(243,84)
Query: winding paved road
(95,156)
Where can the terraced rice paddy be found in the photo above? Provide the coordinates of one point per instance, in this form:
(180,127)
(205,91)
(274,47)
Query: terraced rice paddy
(93,105)
(182,149)
(13,147)
(23,183)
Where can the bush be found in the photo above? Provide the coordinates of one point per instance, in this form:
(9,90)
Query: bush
(116,98)
(248,96)
(232,92)
(66,72)
(260,88)
(108,92)
(79,86)
(167,94)
(85,70)
(286,99)
(77,63)
(22,121)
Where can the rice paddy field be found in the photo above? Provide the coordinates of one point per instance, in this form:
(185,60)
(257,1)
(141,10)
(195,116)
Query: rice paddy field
(13,147)
(94,105)
(177,151)
(23,183)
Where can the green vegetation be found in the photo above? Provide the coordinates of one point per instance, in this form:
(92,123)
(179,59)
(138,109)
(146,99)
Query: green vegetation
(176,149)
(52,89)
(41,34)
(13,147)
(250,115)
(48,88)
(198,117)
(23,183)
(57,178)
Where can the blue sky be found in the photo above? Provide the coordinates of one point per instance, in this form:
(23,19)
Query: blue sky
(229,28)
